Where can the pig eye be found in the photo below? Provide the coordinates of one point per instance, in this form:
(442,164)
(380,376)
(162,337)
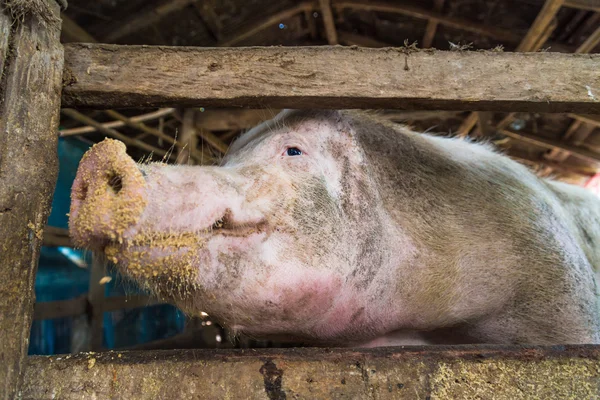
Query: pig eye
(293,151)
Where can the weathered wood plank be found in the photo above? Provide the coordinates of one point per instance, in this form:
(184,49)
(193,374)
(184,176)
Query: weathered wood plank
(107,76)
(308,373)
(29,104)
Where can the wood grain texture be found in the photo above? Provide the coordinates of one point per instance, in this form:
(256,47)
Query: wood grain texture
(29,115)
(415,372)
(111,76)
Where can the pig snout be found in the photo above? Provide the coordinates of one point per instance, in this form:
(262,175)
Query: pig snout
(108,196)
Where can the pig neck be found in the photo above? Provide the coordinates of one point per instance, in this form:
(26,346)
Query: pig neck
(424,187)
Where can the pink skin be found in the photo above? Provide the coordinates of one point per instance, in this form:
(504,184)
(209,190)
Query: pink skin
(278,275)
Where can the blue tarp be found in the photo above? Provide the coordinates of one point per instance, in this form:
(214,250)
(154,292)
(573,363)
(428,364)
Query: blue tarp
(60,278)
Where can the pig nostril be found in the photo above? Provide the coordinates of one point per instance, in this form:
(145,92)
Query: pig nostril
(83,192)
(115,182)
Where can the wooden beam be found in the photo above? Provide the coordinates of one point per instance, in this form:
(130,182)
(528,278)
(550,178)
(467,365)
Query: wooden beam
(31,67)
(588,119)
(557,154)
(580,152)
(311,24)
(231,119)
(144,18)
(117,124)
(327,14)
(266,23)
(115,303)
(438,6)
(565,168)
(213,141)
(590,43)
(505,36)
(540,25)
(210,19)
(484,124)
(467,125)
(188,138)
(112,133)
(111,76)
(354,39)
(543,26)
(61,309)
(414,372)
(73,32)
(545,35)
(56,237)
(80,34)
(81,305)
(591,5)
(151,131)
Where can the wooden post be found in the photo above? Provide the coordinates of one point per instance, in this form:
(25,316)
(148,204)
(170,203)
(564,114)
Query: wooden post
(96,299)
(327,14)
(438,6)
(188,139)
(31,65)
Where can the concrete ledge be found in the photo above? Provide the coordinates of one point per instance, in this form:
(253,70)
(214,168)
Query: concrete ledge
(385,373)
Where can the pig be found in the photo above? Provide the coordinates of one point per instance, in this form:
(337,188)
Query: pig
(337,228)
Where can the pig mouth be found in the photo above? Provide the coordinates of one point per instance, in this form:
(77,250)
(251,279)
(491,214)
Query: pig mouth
(227,226)
(165,241)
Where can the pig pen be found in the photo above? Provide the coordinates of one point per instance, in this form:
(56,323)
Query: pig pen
(39,77)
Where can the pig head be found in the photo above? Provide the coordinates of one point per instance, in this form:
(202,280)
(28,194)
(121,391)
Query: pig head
(268,242)
(335,228)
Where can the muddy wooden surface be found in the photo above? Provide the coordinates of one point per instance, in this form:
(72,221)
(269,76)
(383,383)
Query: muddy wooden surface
(107,76)
(32,64)
(306,373)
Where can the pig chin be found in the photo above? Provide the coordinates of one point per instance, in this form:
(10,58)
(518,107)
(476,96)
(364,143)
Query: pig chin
(177,266)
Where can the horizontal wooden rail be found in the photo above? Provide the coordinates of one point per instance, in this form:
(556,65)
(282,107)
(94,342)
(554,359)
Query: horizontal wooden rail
(111,76)
(80,305)
(385,373)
